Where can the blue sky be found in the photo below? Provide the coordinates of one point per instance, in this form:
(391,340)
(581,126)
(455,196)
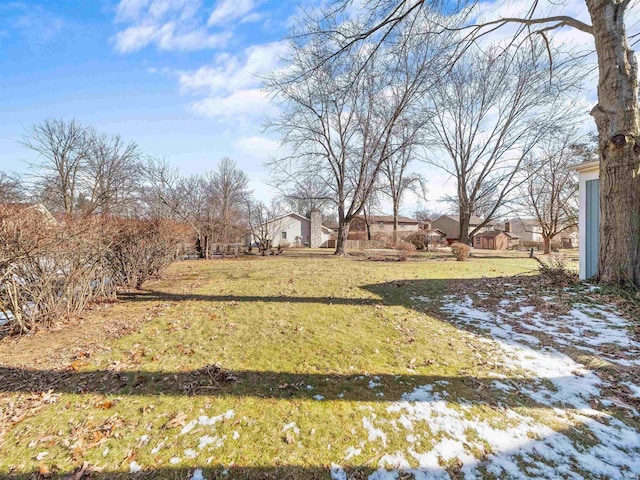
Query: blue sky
(179,77)
(176,76)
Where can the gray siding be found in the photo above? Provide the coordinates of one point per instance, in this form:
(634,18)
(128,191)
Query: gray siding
(592,227)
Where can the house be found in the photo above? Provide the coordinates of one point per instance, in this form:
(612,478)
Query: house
(570,238)
(436,237)
(528,229)
(450,225)
(495,240)
(383,224)
(295,230)
(588,217)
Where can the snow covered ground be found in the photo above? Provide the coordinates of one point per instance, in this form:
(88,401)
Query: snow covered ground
(569,433)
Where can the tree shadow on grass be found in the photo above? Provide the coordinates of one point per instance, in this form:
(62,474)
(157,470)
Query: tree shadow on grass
(212,381)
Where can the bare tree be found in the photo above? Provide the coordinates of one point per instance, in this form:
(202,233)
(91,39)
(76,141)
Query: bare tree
(397,180)
(338,117)
(213,203)
(63,148)
(490,111)
(80,171)
(111,176)
(265,221)
(228,189)
(550,192)
(304,194)
(11,189)
(617,114)
(181,198)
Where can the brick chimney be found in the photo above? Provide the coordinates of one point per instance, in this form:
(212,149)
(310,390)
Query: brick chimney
(316,229)
(507,226)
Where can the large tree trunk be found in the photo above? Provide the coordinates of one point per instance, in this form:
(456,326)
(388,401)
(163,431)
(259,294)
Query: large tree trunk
(464,227)
(546,241)
(341,242)
(618,120)
(395,221)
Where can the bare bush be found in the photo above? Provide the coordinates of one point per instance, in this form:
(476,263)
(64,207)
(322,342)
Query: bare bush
(556,271)
(141,249)
(405,250)
(47,271)
(50,271)
(460,251)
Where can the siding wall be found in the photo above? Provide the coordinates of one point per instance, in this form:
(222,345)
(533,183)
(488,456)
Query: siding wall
(592,226)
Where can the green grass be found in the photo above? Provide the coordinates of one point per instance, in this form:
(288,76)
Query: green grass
(289,328)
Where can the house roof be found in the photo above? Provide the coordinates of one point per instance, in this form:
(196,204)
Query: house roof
(475,220)
(586,166)
(301,217)
(389,219)
(495,233)
(438,232)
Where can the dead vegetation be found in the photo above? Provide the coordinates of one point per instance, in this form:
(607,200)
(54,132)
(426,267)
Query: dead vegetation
(50,271)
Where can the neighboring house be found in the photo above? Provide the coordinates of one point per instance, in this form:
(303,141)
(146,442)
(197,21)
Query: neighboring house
(436,237)
(37,209)
(495,240)
(570,238)
(528,229)
(296,230)
(383,224)
(589,217)
(450,225)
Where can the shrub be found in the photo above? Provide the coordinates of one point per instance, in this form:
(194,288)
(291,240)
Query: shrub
(556,271)
(460,251)
(141,249)
(417,240)
(48,271)
(51,271)
(405,250)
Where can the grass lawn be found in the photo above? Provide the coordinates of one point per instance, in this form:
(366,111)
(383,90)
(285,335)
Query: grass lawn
(310,366)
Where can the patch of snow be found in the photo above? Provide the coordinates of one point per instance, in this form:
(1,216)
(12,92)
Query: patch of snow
(373,384)
(190,453)
(41,455)
(352,452)
(373,432)
(318,397)
(188,427)
(291,426)
(337,472)
(635,389)
(175,460)
(197,475)
(134,467)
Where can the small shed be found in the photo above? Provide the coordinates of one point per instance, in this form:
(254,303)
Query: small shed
(495,240)
(588,217)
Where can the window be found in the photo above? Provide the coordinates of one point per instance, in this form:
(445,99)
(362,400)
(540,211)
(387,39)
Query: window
(284,235)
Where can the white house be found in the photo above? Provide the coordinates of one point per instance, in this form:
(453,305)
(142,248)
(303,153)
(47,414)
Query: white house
(528,229)
(296,230)
(589,217)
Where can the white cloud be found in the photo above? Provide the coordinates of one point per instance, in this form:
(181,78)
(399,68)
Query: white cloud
(257,146)
(231,86)
(167,24)
(237,105)
(229,10)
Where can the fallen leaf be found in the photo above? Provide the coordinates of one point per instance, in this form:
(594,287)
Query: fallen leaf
(179,420)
